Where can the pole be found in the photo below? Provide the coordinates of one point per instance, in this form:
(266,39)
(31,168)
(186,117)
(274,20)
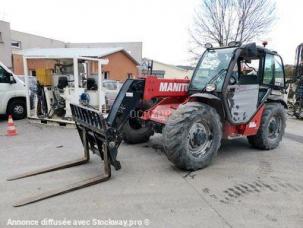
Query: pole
(25,71)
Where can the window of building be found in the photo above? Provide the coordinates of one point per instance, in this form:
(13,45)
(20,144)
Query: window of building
(32,72)
(16,44)
(106,75)
(1,39)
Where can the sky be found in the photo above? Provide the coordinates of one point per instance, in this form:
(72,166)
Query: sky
(162,25)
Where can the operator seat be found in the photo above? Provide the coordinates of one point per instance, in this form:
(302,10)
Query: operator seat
(91,84)
(250,79)
(62,82)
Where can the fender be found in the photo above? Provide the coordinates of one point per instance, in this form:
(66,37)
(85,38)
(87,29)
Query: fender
(205,95)
(211,100)
(9,95)
(277,99)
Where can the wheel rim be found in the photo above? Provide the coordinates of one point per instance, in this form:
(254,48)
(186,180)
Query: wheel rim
(199,139)
(274,127)
(18,109)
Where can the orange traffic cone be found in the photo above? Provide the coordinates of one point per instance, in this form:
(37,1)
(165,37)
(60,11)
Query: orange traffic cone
(11,128)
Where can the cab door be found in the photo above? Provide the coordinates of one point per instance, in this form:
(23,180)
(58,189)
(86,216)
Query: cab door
(5,88)
(242,95)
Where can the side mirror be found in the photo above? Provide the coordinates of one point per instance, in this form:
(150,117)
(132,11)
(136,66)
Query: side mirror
(11,79)
(249,50)
(232,80)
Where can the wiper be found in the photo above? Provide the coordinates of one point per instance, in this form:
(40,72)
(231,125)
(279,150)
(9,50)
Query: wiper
(217,76)
(214,78)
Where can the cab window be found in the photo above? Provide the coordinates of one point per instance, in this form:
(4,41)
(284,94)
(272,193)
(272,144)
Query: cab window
(273,71)
(279,73)
(249,71)
(269,69)
(4,76)
(246,71)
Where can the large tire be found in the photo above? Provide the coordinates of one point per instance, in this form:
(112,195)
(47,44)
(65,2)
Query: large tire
(271,129)
(192,136)
(298,110)
(133,132)
(17,108)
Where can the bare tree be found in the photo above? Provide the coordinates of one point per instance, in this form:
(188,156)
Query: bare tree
(222,21)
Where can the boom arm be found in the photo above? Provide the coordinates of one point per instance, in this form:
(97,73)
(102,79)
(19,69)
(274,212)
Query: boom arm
(135,91)
(130,98)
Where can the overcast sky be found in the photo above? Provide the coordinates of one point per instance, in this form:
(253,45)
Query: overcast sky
(162,25)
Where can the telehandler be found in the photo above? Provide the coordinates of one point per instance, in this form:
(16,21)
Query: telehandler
(235,91)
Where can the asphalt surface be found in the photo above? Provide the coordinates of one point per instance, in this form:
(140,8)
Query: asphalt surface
(244,187)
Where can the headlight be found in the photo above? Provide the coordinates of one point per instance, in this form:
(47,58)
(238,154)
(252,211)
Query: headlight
(210,87)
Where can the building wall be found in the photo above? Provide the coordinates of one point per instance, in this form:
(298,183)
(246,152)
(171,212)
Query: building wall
(8,54)
(5,44)
(18,64)
(171,71)
(32,41)
(32,64)
(133,48)
(119,66)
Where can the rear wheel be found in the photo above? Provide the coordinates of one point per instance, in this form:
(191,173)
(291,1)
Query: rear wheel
(136,131)
(192,136)
(17,108)
(272,128)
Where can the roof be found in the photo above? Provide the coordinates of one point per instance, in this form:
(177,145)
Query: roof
(133,48)
(72,52)
(166,64)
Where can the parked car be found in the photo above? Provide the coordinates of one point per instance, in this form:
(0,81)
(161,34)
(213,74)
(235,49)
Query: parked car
(111,89)
(12,94)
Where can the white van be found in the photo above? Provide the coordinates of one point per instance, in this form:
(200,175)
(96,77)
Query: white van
(12,94)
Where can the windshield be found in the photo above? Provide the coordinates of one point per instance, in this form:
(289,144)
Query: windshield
(213,63)
(110,85)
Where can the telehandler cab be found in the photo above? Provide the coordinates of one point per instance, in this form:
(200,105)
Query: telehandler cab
(235,91)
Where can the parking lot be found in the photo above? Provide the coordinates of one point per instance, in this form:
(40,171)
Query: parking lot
(244,187)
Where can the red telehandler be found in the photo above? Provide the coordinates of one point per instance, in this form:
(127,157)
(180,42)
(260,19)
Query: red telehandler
(235,91)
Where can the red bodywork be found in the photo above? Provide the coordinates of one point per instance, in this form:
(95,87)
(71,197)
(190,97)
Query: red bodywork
(160,87)
(251,128)
(173,92)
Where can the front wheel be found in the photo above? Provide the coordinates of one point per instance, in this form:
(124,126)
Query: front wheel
(192,136)
(135,131)
(17,108)
(271,129)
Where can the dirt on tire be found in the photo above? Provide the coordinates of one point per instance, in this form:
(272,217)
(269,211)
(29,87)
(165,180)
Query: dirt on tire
(261,140)
(176,135)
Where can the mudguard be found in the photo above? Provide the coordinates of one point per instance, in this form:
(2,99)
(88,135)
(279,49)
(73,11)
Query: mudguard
(206,95)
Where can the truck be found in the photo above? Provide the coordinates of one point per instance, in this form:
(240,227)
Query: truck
(12,94)
(235,91)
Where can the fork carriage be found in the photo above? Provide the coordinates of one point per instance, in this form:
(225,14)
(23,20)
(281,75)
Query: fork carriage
(92,129)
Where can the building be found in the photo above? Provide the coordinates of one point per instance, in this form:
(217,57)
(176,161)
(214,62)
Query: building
(120,67)
(163,70)
(133,48)
(123,57)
